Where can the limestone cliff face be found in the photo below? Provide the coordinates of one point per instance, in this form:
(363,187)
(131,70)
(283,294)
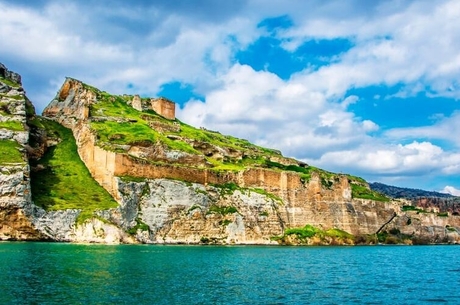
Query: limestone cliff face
(20,219)
(162,209)
(170,211)
(15,194)
(171,194)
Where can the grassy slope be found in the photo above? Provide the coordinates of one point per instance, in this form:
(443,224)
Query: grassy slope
(138,130)
(66,183)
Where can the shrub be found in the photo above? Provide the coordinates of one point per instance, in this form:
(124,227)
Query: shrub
(140,225)
(363,192)
(221,210)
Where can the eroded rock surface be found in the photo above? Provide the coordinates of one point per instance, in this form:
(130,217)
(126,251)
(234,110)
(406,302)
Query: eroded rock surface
(168,195)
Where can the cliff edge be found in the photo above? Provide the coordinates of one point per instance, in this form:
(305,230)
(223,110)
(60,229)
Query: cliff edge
(104,168)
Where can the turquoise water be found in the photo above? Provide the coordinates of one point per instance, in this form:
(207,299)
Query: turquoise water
(52,273)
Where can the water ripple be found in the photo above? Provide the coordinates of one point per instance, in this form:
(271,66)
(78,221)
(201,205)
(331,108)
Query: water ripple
(47,273)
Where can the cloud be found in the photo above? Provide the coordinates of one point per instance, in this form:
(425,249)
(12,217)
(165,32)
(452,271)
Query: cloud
(443,129)
(404,46)
(143,45)
(416,159)
(286,115)
(450,190)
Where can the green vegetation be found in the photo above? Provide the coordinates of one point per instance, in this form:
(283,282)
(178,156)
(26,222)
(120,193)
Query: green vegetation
(221,210)
(66,183)
(133,127)
(30,109)
(204,240)
(393,237)
(305,234)
(230,187)
(126,125)
(302,233)
(193,207)
(140,225)
(267,194)
(305,172)
(451,229)
(4,111)
(9,82)
(17,97)
(227,188)
(313,235)
(10,152)
(409,208)
(132,179)
(12,125)
(361,191)
(117,123)
(225,222)
(406,208)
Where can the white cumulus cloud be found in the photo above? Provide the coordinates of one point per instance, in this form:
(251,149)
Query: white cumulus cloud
(450,190)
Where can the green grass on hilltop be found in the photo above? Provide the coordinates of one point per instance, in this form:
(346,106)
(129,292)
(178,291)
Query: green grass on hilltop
(66,183)
(9,152)
(135,128)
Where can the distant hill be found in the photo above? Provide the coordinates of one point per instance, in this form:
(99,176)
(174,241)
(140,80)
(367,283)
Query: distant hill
(403,192)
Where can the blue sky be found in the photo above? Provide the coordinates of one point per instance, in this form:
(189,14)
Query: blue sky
(369,88)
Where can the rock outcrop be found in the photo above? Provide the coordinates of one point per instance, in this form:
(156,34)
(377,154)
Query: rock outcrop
(201,208)
(15,193)
(20,218)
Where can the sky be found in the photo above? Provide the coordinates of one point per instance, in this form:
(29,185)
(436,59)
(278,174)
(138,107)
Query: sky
(369,88)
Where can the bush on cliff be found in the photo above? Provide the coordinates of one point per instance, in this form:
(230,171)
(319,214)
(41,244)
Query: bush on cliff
(311,235)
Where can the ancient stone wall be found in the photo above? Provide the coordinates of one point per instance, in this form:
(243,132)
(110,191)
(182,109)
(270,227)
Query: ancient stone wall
(164,107)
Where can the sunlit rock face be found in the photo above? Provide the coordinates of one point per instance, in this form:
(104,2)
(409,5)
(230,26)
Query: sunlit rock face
(216,190)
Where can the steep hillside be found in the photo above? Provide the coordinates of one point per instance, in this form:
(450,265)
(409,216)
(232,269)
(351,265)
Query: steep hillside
(110,169)
(60,167)
(15,192)
(176,183)
(145,135)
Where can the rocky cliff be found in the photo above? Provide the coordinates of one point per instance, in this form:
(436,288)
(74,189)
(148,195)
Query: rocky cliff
(15,193)
(162,181)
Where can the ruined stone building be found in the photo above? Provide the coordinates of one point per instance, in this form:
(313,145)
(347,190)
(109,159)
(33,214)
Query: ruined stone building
(161,105)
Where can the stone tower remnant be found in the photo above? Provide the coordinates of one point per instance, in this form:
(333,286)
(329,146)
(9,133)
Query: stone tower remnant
(164,107)
(161,105)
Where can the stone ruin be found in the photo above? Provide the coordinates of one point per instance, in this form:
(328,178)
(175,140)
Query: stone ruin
(161,105)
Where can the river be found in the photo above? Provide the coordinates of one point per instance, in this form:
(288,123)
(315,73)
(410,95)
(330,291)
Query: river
(58,273)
